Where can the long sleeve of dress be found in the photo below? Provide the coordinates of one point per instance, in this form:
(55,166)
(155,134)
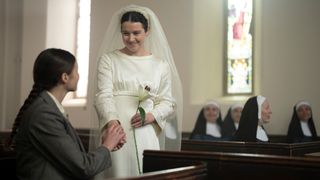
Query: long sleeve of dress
(164,103)
(104,102)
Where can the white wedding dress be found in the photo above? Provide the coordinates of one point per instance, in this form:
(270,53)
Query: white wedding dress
(119,78)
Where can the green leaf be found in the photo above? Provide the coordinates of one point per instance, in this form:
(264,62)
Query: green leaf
(142,114)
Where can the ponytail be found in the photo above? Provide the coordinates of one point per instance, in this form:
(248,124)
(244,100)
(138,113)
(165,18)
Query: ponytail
(34,93)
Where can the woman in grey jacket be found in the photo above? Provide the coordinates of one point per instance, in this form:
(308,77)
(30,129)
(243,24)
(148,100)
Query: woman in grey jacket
(47,145)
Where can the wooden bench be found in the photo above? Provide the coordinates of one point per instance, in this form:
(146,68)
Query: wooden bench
(213,159)
(237,165)
(273,138)
(295,149)
(7,163)
(198,171)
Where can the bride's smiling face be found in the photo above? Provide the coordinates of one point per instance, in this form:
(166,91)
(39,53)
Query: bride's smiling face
(133,35)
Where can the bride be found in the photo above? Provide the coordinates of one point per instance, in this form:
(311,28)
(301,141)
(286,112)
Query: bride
(136,69)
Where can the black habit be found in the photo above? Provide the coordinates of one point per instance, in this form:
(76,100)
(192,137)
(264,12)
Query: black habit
(295,133)
(199,131)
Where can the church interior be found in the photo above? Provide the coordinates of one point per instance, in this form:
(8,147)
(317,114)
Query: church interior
(284,67)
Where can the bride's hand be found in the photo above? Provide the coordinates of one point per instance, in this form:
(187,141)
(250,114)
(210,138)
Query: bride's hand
(112,122)
(136,120)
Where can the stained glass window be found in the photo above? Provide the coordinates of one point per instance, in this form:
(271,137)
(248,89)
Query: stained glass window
(239,47)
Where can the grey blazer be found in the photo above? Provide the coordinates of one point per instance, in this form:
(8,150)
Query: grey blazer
(48,147)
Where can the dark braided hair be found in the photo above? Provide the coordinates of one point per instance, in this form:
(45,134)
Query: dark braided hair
(47,70)
(133,16)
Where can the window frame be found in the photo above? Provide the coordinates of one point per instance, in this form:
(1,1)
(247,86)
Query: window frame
(225,58)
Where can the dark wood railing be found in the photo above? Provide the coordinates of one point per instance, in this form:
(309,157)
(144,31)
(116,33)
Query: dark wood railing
(237,165)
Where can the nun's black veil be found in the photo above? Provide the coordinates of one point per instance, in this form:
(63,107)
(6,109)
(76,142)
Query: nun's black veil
(295,133)
(248,124)
(228,128)
(201,124)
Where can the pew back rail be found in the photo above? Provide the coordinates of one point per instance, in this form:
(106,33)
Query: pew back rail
(236,165)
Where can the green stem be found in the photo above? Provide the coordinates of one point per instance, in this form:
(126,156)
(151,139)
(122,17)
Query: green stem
(135,143)
(138,107)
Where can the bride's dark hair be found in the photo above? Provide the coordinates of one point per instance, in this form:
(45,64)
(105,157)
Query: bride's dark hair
(134,16)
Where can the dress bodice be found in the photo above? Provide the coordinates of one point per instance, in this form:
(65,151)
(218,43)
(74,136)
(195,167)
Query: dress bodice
(133,72)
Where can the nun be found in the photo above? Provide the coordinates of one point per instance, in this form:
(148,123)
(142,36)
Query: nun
(255,114)
(301,128)
(231,121)
(208,125)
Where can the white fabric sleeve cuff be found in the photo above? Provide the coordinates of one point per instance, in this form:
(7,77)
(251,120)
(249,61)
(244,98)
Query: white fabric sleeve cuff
(158,118)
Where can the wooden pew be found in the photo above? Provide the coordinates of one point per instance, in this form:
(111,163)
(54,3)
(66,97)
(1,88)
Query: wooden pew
(7,163)
(7,159)
(273,138)
(295,149)
(198,171)
(236,165)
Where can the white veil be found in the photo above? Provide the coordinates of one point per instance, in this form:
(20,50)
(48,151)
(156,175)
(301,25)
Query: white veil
(156,43)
